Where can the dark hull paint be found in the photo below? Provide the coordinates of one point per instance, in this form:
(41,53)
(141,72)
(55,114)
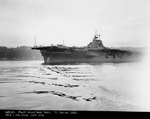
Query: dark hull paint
(83,57)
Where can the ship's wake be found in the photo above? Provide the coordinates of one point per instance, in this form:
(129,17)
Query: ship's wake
(69,87)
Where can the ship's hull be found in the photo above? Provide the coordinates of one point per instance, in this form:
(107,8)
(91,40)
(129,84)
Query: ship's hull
(84,57)
(95,52)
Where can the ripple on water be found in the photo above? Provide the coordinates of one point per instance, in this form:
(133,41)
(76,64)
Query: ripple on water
(60,94)
(65,85)
(79,83)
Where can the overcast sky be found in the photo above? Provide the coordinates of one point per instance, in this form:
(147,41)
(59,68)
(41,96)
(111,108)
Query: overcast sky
(119,22)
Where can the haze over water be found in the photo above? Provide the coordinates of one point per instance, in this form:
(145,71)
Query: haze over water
(29,85)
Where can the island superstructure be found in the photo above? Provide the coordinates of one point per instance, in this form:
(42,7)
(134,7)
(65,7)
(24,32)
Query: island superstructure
(95,52)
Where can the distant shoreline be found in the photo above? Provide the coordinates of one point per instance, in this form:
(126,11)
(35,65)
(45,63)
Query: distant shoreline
(21,60)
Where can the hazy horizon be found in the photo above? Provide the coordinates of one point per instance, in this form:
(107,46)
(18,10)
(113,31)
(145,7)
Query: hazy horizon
(121,23)
(77,46)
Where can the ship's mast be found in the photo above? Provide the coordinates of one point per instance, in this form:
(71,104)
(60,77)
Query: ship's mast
(95,32)
(96,36)
(63,42)
(35,41)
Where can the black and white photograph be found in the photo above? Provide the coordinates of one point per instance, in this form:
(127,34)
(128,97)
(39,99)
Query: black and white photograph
(74,56)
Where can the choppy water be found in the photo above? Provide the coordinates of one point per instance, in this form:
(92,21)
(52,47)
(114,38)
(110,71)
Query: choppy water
(29,85)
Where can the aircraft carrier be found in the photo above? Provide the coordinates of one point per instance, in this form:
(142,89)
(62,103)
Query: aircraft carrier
(94,52)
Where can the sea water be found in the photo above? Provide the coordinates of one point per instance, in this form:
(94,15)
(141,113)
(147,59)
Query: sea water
(30,85)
